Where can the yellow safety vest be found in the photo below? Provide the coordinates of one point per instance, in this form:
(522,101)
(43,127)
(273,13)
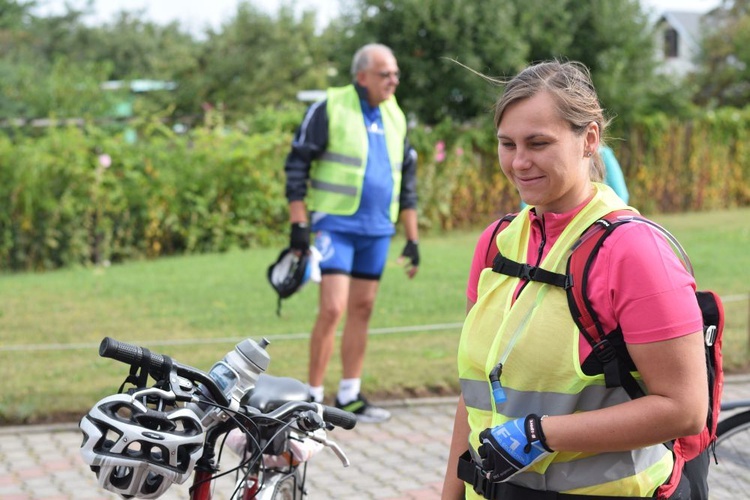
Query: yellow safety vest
(542,372)
(338,175)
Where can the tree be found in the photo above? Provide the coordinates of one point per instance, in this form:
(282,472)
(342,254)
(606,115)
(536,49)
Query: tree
(14,14)
(39,81)
(498,38)
(616,41)
(257,60)
(429,38)
(724,75)
(55,65)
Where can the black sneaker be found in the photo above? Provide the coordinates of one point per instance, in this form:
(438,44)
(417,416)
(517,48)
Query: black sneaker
(364,411)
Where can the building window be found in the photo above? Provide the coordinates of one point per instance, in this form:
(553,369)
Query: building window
(670,43)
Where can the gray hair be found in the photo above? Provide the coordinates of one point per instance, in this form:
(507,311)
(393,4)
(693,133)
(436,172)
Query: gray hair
(362,59)
(569,83)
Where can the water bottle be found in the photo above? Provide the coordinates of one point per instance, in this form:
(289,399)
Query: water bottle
(236,375)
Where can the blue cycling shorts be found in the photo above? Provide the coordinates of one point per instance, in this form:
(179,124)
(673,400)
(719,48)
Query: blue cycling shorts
(358,256)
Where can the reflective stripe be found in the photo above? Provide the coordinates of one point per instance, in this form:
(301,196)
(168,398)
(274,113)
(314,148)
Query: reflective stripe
(349,161)
(477,395)
(345,160)
(593,470)
(334,188)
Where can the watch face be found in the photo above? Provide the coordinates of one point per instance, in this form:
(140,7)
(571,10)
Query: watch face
(224,377)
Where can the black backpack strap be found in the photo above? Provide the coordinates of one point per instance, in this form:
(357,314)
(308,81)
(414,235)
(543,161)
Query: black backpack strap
(504,265)
(507,219)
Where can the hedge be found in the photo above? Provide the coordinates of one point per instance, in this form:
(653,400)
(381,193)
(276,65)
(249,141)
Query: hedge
(88,196)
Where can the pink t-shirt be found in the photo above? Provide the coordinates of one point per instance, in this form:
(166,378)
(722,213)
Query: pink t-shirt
(636,280)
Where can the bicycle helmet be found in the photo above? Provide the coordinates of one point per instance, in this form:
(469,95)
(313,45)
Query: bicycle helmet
(137,451)
(292,270)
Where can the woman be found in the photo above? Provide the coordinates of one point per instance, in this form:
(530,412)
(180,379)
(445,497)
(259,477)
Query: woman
(560,429)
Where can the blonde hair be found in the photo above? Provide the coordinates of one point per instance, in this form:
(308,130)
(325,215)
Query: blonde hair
(570,86)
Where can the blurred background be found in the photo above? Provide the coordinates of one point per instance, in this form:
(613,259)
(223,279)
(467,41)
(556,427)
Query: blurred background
(142,146)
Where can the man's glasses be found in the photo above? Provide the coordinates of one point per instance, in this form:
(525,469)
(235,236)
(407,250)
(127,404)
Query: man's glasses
(389,74)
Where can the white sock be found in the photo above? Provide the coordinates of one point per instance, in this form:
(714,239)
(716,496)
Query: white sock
(317,393)
(348,390)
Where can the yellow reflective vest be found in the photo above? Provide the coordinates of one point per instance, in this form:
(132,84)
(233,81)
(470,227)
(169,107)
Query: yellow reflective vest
(337,177)
(538,339)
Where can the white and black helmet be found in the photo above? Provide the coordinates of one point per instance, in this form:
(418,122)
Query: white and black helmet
(292,270)
(137,451)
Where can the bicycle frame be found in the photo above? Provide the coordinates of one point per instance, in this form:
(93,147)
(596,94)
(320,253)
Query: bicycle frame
(202,482)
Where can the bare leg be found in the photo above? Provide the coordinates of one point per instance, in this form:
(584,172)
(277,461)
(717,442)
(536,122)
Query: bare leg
(354,342)
(334,294)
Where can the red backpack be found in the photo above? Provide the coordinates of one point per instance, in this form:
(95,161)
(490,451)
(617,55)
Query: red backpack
(610,353)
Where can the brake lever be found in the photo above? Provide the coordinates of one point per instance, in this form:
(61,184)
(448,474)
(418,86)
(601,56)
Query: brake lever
(153,391)
(332,445)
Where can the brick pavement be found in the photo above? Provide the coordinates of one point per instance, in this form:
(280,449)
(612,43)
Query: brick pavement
(403,459)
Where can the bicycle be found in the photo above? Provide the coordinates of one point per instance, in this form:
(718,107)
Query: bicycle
(731,466)
(141,441)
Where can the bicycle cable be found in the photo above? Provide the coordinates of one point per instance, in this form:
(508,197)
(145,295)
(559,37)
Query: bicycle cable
(233,414)
(247,465)
(250,462)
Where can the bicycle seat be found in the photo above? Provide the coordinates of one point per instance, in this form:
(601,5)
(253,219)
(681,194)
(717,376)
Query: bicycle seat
(270,392)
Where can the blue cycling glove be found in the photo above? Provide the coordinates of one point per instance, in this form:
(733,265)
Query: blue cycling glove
(512,447)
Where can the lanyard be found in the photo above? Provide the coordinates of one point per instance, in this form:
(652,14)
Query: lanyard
(498,394)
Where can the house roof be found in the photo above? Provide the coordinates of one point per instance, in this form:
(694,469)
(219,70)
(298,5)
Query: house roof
(686,23)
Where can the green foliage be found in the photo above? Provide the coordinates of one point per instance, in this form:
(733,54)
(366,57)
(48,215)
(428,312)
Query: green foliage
(78,196)
(63,90)
(725,57)
(498,38)
(258,60)
(14,14)
(54,66)
(83,196)
(459,177)
(701,164)
(428,38)
(273,119)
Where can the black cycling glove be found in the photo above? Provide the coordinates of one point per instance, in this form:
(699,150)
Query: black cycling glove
(299,239)
(411,252)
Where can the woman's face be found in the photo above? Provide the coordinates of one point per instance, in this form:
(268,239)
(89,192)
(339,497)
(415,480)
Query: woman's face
(543,157)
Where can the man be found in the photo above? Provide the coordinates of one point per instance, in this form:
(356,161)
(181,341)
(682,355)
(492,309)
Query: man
(352,168)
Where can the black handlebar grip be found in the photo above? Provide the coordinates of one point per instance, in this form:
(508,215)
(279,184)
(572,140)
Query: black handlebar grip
(131,354)
(339,418)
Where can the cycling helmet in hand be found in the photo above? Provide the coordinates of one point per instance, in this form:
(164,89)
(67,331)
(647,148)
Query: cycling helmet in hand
(292,270)
(137,451)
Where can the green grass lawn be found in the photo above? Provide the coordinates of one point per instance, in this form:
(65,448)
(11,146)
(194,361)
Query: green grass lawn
(196,308)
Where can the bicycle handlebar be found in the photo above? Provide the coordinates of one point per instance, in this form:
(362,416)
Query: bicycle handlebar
(338,417)
(329,414)
(158,365)
(132,355)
